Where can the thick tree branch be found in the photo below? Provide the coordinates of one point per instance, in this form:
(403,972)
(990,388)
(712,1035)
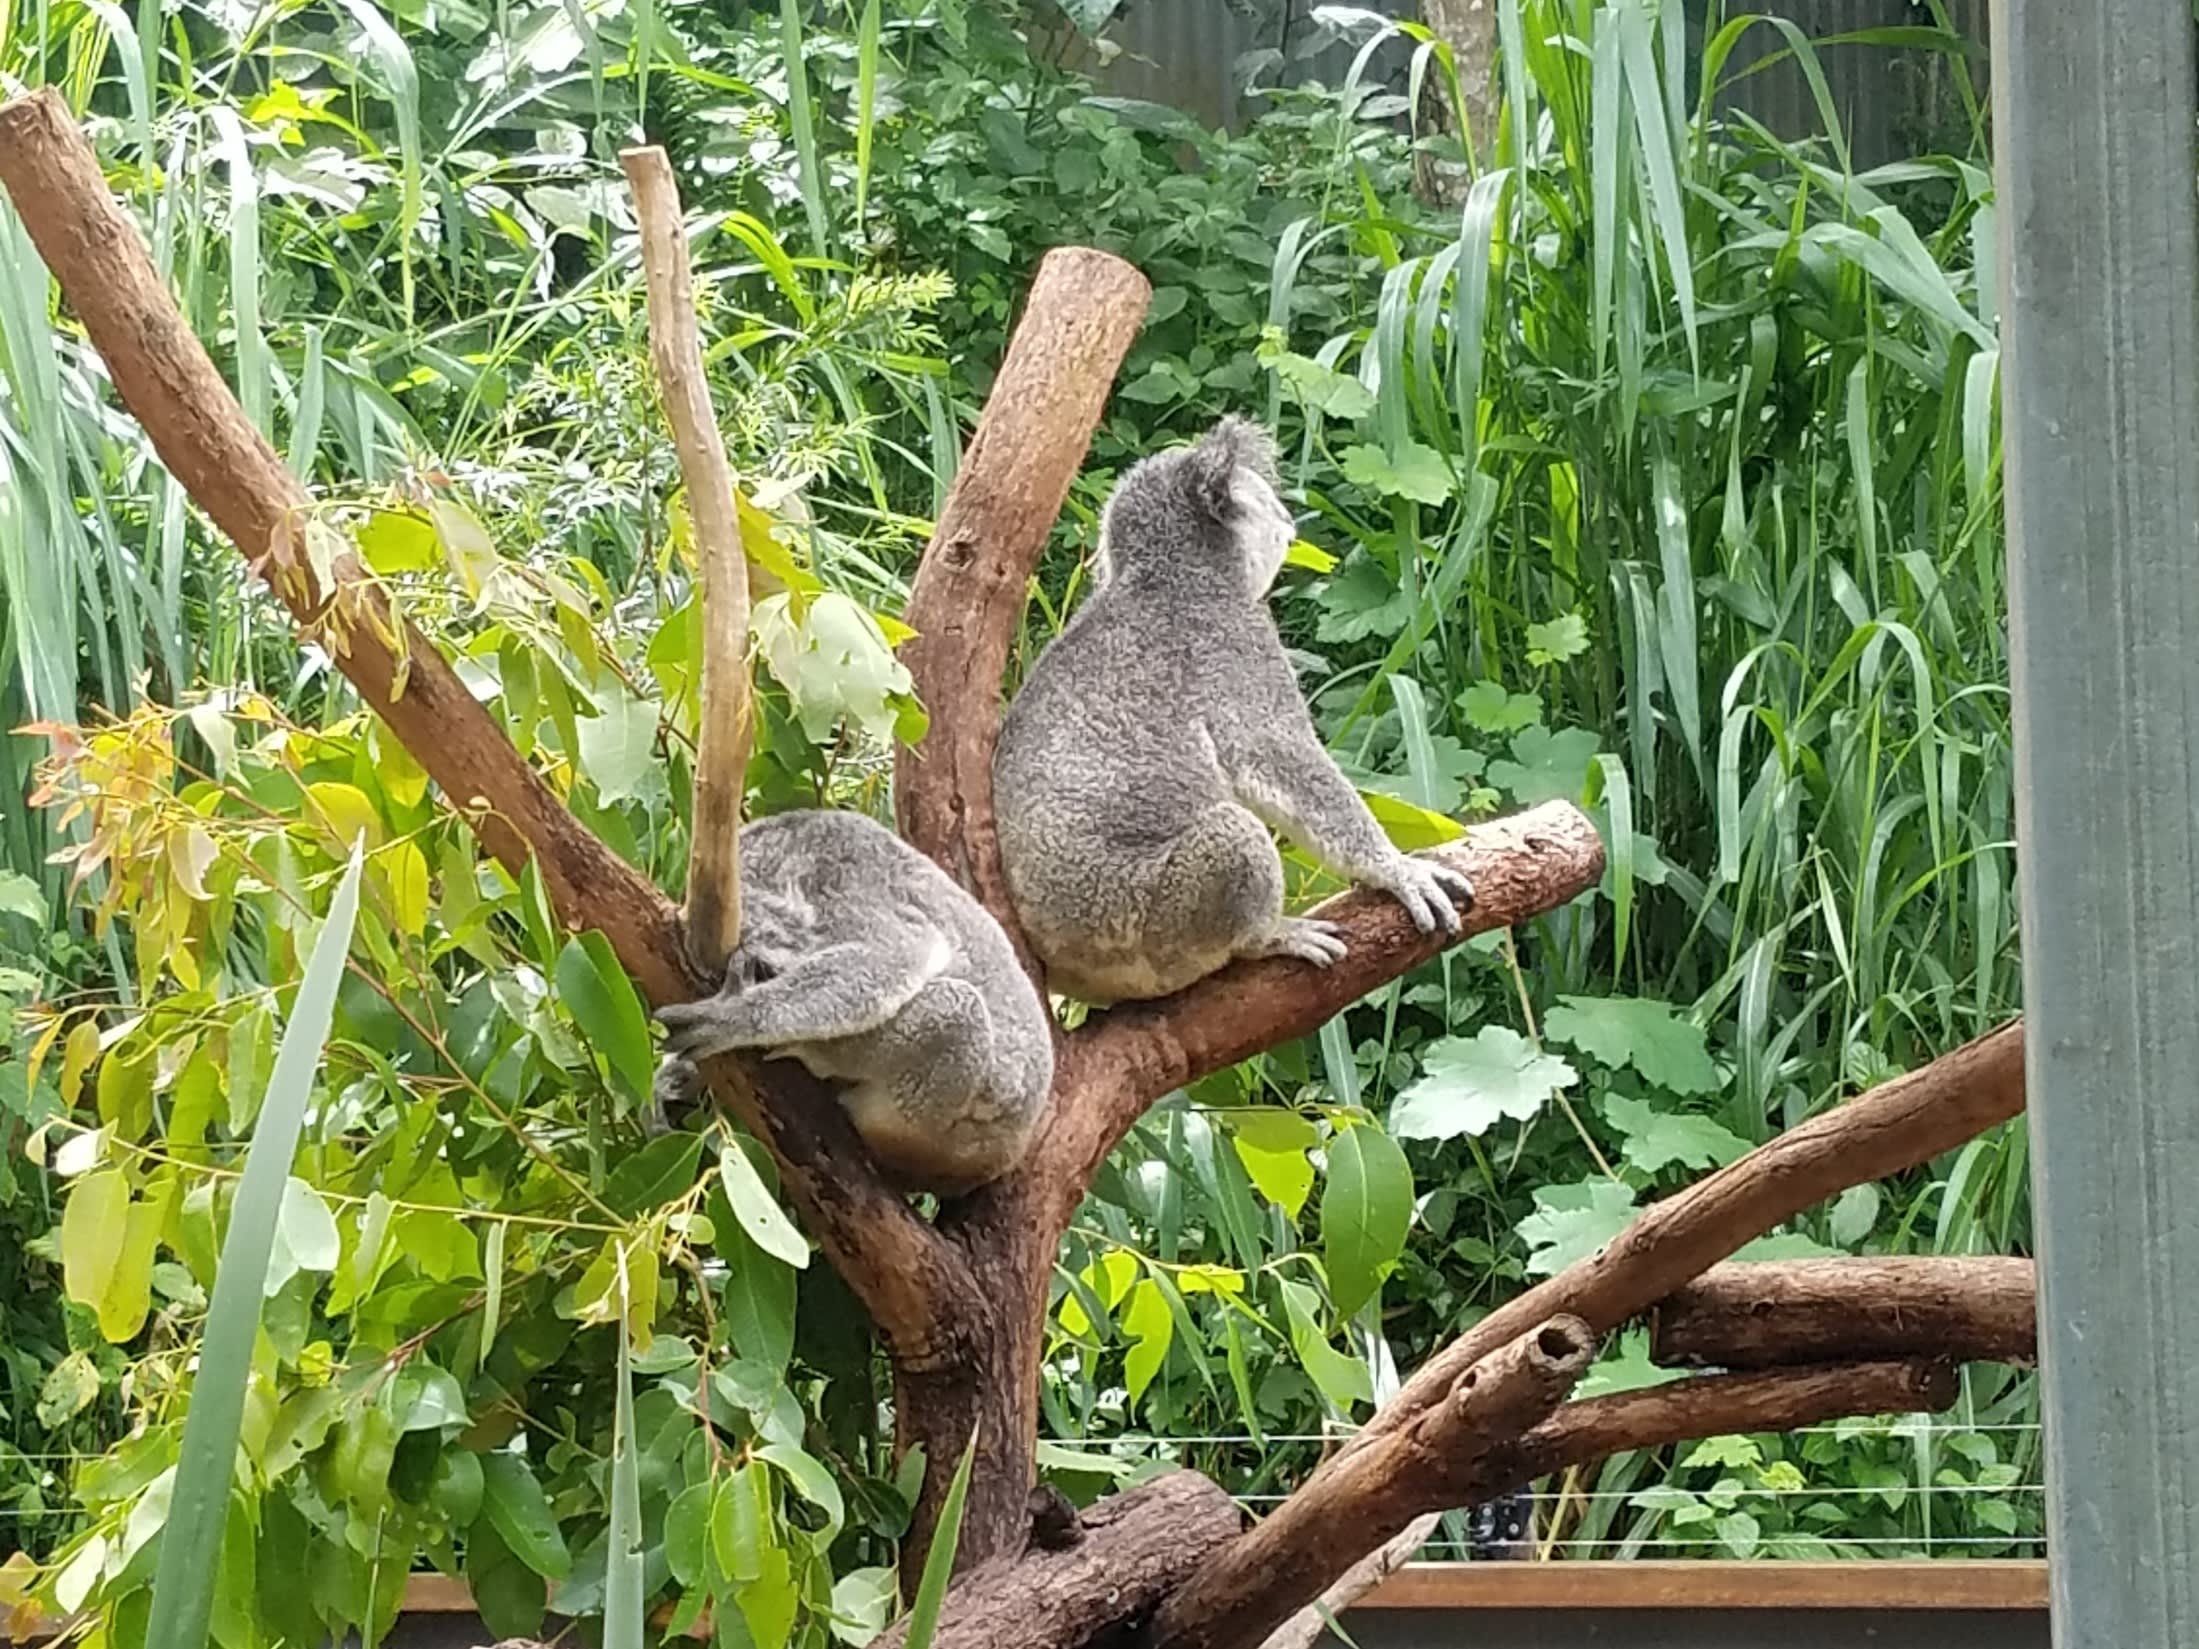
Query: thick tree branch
(1749,1315)
(1121,1061)
(1096,1583)
(894,1261)
(722,735)
(1283,1564)
(1893,1127)
(1084,311)
(1202,1615)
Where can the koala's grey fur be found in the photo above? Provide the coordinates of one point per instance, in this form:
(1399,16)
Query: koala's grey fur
(1160,735)
(866,962)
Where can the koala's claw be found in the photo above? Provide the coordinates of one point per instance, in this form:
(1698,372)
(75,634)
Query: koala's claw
(695,1030)
(1434,896)
(1307,939)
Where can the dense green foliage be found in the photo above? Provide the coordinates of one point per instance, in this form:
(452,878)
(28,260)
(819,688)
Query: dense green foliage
(1663,477)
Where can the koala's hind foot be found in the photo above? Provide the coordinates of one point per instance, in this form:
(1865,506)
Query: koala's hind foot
(1305,938)
(1434,895)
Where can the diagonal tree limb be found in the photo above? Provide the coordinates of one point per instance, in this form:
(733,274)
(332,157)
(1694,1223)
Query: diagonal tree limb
(1232,1605)
(1893,1127)
(723,730)
(895,1262)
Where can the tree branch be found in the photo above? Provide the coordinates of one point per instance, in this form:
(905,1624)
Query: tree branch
(1750,1315)
(1309,1627)
(723,729)
(1356,1504)
(1893,1127)
(1121,1061)
(1200,1616)
(895,1262)
(1083,313)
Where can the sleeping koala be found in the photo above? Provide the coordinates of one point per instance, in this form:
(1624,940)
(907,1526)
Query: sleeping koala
(867,963)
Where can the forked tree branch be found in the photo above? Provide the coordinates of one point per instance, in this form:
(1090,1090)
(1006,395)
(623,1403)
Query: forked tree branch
(1228,1606)
(722,732)
(1893,1127)
(1774,1314)
(895,1262)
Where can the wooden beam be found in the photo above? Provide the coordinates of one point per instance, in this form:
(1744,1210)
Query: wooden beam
(2095,109)
(1874,1587)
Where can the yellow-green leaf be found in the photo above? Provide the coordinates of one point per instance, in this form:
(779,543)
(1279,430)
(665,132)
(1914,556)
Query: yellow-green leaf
(94,1226)
(344,811)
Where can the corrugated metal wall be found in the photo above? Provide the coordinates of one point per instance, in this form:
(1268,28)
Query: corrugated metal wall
(1891,103)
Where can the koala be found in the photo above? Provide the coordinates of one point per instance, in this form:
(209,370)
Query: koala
(864,961)
(1161,734)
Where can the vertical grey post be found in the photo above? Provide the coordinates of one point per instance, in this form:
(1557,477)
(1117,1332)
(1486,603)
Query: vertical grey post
(2093,122)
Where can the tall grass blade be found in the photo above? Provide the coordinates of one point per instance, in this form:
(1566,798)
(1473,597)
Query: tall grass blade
(625,1587)
(931,1590)
(805,125)
(198,1511)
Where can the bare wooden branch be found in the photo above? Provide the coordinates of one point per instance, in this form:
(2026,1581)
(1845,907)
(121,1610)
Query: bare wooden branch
(1353,1507)
(1083,313)
(723,732)
(1125,1554)
(1893,1127)
(1123,1060)
(895,1262)
(1202,1617)
(1777,1314)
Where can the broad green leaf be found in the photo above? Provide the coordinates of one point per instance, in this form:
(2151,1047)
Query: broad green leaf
(1409,826)
(398,541)
(1854,1214)
(815,1483)
(618,749)
(1366,1211)
(1323,389)
(1571,1222)
(1343,1380)
(1561,638)
(516,1508)
(94,1225)
(1733,1453)
(467,545)
(344,811)
(20,895)
(1491,709)
(1417,472)
(737,1524)
(660,1172)
(835,661)
(862,1603)
(183,1584)
(1656,1139)
(603,1002)
(306,1238)
(511,1597)
(769,1603)
(758,1303)
(1151,1329)
(1469,1084)
(757,1210)
(458,1487)
(1546,766)
(1273,1144)
(1631,1030)
(687,1534)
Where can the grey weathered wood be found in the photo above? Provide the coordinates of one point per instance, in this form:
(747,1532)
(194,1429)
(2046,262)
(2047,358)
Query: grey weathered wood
(2093,115)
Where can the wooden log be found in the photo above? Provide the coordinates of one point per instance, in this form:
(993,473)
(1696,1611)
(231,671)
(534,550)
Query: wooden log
(723,728)
(1774,1315)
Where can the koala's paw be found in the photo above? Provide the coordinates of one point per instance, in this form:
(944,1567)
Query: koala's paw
(1434,896)
(1307,939)
(696,1030)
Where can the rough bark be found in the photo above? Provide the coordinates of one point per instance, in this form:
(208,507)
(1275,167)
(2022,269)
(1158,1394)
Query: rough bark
(1282,1565)
(1773,1315)
(1100,1585)
(1469,28)
(1893,1127)
(713,911)
(1084,312)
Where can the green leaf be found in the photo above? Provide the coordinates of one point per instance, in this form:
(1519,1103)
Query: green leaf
(1366,1211)
(658,1173)
(306,1238)
(1741,1533)
(618,749)
(1854,1213)
(1343,1380)
(1657,1139)
(1561,638)
(516,1508)
(1632,1030)
(511,1597)
(1362,600)
(93,1225)
(757,1210)
(1471,1083)
(1571,1222)
(687,1534)
(758,1302)
(809,1476)
(183,1583)
(931,1590)
(737,1524)
(625,1586)
(603,1002)
(1273,1145)
(1546,766)
(1151,1328)
(398,541)
(1323,389)
(1489,707)
(1417,472)
(20,895)
(1732,1453)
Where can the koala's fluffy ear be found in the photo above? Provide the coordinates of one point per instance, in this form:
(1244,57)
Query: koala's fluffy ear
(1231,445)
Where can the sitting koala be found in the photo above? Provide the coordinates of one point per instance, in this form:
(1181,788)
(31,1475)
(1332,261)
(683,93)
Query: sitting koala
(863,960)
(1162,733)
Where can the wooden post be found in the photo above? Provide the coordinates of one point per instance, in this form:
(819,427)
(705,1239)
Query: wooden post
(2094,108)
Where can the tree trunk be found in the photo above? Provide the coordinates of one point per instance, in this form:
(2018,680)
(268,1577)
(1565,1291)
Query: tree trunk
(1469,28)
